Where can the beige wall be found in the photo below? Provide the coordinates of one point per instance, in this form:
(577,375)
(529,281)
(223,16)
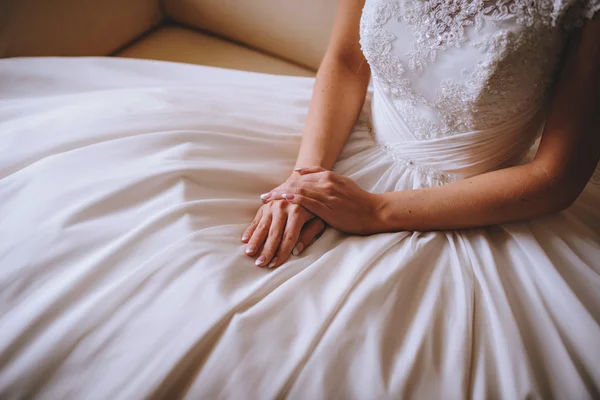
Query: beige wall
(296,30)
(73,27)
(292,30)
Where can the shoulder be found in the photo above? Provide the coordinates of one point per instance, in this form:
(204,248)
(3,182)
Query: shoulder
(572,13)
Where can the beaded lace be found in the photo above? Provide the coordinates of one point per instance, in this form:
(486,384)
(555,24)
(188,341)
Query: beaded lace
(518,43)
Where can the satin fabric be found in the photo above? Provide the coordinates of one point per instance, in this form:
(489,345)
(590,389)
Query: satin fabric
(462,155)
(125,186)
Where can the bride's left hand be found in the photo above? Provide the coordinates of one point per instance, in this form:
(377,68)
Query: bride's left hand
(338,200)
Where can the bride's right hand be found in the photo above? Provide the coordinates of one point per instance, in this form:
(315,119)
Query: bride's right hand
(279,229)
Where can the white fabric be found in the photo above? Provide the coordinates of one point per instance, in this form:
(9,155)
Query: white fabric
(460,155)
(450,67)
(124,188)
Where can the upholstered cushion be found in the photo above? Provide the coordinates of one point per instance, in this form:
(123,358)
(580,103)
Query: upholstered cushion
(72,27)
(297,30)
(173,43)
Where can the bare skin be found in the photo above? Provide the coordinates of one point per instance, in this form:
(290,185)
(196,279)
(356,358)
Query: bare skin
(568,154)
(338,95)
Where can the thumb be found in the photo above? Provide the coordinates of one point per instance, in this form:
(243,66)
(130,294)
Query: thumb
(310,232)
(314,206)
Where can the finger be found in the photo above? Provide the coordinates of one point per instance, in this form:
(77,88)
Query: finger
(309,234)
(310,194)
(307,183)
(250,229)
(259,235)
(272,242)
(266,196)
(309,170)
(275,194)
(316,177)
(323,176)
(314,206)
(293,227)
(318,189)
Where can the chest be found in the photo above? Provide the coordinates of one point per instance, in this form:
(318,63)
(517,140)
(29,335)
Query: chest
(452,66)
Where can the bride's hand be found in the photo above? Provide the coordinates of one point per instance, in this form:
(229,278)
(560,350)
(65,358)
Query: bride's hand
(278,229)
(338,200)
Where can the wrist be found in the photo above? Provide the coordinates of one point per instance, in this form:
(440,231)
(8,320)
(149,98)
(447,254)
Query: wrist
(312,161)
(379,212)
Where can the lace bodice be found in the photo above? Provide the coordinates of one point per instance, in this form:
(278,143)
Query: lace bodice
(453,66)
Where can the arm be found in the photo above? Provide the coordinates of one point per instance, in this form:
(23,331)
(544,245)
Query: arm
(566,159)
(338,96)
(568,153)
(280,228)
(339,91)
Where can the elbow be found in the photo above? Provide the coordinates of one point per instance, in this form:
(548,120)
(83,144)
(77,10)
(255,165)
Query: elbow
(555,202)
(560,190)
(565,191)
(562,203)
(570,193)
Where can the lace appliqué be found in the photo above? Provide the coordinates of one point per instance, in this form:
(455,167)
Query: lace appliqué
(438,25)
(513,73)
(376,44)
(499,87)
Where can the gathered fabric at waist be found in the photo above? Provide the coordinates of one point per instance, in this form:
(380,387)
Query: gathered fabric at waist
(460,155)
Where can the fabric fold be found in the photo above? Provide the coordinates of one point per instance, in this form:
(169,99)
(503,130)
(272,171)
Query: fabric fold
(464,154)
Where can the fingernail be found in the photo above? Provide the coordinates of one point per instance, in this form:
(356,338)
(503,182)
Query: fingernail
(298,169)
(244,238)
(298,249)
(273,262)
(250,249)
(265,196)
(260,260)
(288,196)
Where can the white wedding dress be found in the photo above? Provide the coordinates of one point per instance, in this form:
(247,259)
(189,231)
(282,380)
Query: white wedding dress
(125,186)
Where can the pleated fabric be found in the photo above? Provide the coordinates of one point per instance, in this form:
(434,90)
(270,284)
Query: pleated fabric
(125,186)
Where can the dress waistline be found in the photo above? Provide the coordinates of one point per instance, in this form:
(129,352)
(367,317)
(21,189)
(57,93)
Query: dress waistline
(458,156)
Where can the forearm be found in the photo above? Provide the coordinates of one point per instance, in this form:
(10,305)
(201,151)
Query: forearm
(567,155)
(497,197)
(338,96)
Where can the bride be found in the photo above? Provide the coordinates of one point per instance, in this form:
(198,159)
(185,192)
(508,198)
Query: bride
(414,238)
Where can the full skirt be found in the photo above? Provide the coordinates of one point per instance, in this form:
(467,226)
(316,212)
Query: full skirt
(125,186)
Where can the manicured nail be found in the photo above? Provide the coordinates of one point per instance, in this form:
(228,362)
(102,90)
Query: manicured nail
(250,249)
(244,238)
(288,196)
(272,263)
(298,169)
(298,249)
(260,261)
(265,196)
